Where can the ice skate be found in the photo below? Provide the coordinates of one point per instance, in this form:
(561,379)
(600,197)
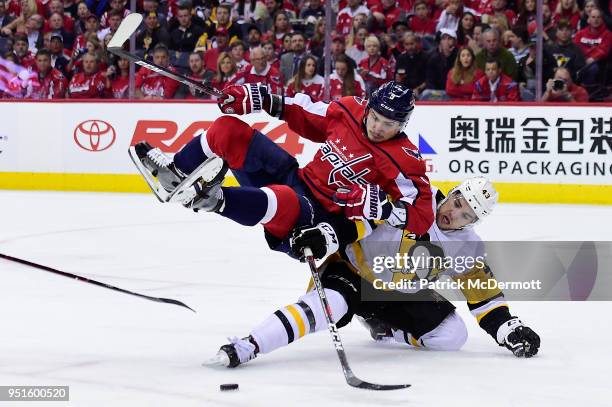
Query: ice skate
(235,353)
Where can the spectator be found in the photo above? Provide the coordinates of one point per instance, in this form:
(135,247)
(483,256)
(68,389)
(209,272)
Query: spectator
(118,78)
(92,26)
(562,89)
(24,56)
(259,70)
(345,16)
(253,39)
(49,82)
(272,8)
(23,10)
(57,6)
(565,52)
(307,80)
(90,83)
(588,6)
(270,54)
(567,10)
(33,30)
(384,15)
(183,39)
(357,51)
(211,56)
(440,61)
(114,21)
(461,79)
(595,42)
(119,6)
(249,11)
(198,73)
(237,51)
(411,65)
(280,29)
(465,32)
(152,85)
(149,6)
(290,62)
(83,14)
(500,15)
(493,49)
(226,72)
(421,24)
(344,82)
(151,34)
(56,26)
(337,50)
(495,86)
(5,19)
(527,12)
(317,41)
(92,47)
(549,25)
(56,54)
(451,15)
(476,43)
(314,9)
(519,39)
(374,69)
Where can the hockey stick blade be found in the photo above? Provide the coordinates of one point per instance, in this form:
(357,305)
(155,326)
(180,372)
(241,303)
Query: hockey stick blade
(350,377)
(126,29)
(94,282)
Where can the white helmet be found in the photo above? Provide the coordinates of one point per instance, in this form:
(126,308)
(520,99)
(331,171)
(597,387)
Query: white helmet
(480,194)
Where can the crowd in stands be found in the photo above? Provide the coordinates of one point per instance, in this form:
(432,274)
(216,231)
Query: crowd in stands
(482,50)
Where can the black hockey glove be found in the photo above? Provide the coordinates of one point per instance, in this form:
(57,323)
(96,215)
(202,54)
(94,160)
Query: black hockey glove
(520,339)
(322,240)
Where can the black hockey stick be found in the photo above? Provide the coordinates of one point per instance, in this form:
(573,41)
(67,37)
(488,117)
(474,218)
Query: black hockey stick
(94,282)
(128,27)
(351,379)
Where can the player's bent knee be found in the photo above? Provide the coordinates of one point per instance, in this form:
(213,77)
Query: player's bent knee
(450,335)
(336,301)
(283,210)
(229,138)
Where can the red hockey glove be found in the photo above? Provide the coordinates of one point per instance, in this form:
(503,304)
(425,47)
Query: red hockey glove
(364,202)
(243,99)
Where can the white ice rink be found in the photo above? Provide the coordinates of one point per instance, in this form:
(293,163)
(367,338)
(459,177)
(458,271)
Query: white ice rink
(118,350)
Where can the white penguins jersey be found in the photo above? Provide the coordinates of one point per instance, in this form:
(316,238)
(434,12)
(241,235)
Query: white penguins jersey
(387,241)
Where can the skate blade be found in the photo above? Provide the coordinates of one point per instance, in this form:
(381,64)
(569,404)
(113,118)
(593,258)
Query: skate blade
(160,193)
(206,172)
(220,359)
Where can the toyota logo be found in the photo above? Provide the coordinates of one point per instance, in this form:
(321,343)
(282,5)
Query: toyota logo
(94,135)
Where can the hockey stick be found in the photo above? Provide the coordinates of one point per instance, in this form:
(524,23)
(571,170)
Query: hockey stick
(94,282)
(128,27)
(351,379)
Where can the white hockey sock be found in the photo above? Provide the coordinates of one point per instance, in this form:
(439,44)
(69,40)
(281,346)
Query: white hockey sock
(296,320)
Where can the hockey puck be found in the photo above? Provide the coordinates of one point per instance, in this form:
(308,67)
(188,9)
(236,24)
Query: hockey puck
(229,386)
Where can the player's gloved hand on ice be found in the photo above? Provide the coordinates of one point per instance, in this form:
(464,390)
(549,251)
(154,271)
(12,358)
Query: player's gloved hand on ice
(322,240)
(364,202)
(520,339)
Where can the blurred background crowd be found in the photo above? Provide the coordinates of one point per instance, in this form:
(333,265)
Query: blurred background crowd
(443,49)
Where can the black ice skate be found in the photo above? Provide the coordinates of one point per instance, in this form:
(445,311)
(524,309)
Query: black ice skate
(379,330)
(235,353)
(167,182)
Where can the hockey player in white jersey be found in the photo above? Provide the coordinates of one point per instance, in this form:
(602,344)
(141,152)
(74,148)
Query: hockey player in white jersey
(416,318)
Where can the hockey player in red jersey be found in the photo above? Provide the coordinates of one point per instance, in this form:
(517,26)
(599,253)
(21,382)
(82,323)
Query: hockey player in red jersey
(366,168)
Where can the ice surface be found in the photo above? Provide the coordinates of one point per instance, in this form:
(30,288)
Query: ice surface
(117,350)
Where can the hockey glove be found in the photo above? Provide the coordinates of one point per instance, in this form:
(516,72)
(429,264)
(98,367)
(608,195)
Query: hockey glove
(322,240)
(370,202)
(250,98)
(520,339)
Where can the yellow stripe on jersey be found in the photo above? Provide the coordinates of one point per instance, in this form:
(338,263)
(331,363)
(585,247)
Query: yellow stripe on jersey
(474,295)
(484,314)
(414,342)
(298,319)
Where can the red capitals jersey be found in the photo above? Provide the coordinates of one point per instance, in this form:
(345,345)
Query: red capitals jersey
(377,71)
(52,86)
(270,76)
(120,87)
(311,87)
(151,83)
(506,90)
(348,157)
(87,86)
(345,19)
(391,14)
(335,87)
